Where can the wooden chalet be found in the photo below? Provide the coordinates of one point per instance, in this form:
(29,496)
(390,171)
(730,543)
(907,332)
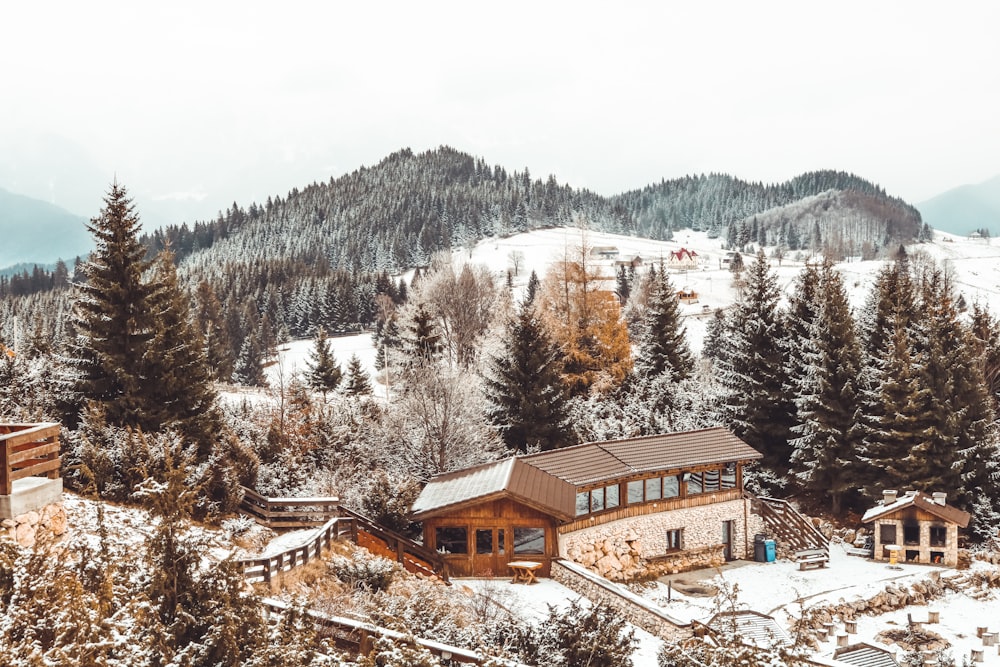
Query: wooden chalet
(520,508)
(922,528)
(682,259)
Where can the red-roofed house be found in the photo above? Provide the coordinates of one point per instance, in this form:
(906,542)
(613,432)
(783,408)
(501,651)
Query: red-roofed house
(682,259)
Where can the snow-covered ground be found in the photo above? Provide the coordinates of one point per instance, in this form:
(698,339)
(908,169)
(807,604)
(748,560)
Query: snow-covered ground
(779,589)
(973,264)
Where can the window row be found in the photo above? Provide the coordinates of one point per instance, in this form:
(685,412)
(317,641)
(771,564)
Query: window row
(656,488)
(455,540)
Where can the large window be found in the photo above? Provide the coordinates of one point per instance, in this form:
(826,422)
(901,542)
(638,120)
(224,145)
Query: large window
(452,539)
(611,496)
(635,491)
(529,541)
(729,476)
(671,486)
(582,502)
(484,541)
(939,536)
(653,488)
(887,533)
(711,481)
(694,484)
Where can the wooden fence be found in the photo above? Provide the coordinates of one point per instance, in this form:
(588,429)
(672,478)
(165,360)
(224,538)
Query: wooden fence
(28,450)
(359,637)
(265,568)
(289,512)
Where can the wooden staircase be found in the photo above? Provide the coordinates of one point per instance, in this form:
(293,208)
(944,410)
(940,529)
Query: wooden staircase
(788,526)
(335,521)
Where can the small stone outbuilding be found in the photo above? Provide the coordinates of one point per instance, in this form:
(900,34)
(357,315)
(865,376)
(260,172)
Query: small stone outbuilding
(924,527)
(30,485)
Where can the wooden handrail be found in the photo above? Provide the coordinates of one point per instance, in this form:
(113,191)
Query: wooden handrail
(420,558)
(355,635)
(289,512)
(28,450)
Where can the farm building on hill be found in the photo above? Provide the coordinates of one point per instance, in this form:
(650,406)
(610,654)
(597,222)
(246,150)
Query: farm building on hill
(621,507)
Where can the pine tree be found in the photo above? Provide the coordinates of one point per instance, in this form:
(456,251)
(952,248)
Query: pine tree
(356,382)
(532,289)
(825,457)
(112,315)
(663,347)
(211,324)
(753,370)
(525,390)
(323,370)
(177,390)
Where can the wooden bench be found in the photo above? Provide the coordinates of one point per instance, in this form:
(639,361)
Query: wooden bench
(807,558)
(524,570)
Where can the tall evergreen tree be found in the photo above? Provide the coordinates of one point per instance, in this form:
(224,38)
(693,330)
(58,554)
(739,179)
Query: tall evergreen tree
(825,457)
(525,389)
(752,370)
(323,369)
(112,315)
(177,387)
(663,347)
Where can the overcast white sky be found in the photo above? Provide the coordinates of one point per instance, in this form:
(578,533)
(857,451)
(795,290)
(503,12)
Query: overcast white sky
(198,104)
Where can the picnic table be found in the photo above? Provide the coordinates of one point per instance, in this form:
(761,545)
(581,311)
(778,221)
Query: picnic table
(524,570)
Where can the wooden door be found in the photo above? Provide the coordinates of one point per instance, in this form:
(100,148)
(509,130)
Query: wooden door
(489,558)
(727,540)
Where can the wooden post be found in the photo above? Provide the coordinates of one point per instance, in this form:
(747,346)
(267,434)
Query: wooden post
(851,627)
(980,630)
(841,640)
(977,655)
(821,634)
(989,639)
(4,470)
(933,617)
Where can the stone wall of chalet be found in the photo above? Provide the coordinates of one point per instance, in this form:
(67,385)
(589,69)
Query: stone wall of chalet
(636,547)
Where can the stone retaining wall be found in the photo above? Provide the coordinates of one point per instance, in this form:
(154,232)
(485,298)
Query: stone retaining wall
(637,611)
(636,547)
(28,528)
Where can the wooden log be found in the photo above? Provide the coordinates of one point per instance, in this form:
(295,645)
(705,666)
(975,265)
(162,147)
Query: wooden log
(933,616)
(977,655)
(851,627)
(989,639)
(842,640)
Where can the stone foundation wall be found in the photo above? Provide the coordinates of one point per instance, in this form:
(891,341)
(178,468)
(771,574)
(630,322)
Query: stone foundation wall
(637,611)
(28,528)
(636,547)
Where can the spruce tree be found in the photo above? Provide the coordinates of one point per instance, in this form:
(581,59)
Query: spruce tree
(177,390)
(663,347)
(825,457)
(112,315)
(528,404)
(323,369)
(356,382)
(757,405)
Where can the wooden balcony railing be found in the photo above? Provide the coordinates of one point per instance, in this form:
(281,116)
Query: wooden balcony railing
(28,450)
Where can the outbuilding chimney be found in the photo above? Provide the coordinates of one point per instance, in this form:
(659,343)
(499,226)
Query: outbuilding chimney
(940,497)
(888,496)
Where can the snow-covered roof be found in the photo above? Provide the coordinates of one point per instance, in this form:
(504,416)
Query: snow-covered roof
(923,501)
(751,626)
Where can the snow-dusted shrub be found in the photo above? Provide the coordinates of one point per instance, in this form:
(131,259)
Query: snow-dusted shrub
(591,635)
(363,570)
(237,526)
(387,500)
(388,653)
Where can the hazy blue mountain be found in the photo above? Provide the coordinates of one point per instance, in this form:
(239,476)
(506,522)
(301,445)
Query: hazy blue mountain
(34,231)
(965,208)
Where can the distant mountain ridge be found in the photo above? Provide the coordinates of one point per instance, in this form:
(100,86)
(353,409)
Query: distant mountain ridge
(965,209)
(34,231)
(397,213)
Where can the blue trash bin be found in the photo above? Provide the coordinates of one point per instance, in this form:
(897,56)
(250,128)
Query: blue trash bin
(769,551)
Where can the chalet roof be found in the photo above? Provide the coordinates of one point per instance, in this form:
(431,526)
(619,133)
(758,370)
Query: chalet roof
(865,655)
(548,481)
(682,253)
(597,461)
(752,627)
(508,478)
(922,501)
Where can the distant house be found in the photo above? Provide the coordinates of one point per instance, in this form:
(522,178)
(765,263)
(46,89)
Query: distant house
(612,506)
(604,251)
(923,526)
(687,296)
(682,259)
(633,263)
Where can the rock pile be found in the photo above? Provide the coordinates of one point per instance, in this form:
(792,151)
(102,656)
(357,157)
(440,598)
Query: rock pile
(28,528)
(617,557)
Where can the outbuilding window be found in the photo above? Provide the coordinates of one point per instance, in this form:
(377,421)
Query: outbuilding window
(529,541)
